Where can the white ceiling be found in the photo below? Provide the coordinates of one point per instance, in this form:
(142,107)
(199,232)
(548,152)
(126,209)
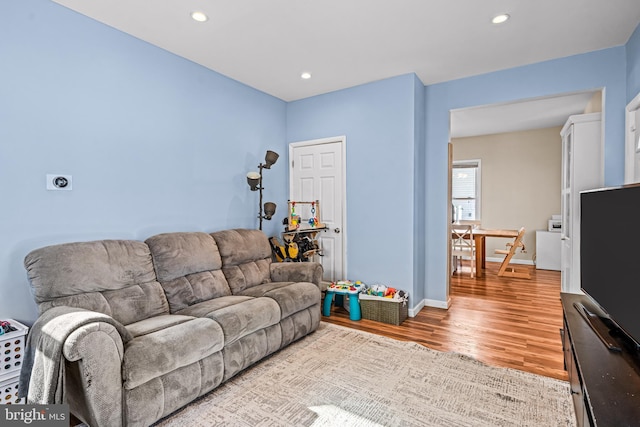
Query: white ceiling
(344,43)
(538,113)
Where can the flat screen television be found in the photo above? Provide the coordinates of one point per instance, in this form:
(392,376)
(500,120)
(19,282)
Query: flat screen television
(610,256)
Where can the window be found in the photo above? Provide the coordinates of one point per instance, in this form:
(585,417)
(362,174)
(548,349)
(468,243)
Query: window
(465,190)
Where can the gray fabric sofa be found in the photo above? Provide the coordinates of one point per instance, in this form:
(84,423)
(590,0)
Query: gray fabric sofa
(140,329)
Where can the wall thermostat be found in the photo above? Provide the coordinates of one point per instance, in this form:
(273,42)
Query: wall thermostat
(58,182)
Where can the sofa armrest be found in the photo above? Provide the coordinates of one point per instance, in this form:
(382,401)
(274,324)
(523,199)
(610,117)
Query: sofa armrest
(42,376)
(93,374)
(297,272)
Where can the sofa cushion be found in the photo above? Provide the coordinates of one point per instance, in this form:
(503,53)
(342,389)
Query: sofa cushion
(188,268)
(246,257)
(155,324)
(114,277)
(202,309)
(157,353)
(237,315)
(291,297)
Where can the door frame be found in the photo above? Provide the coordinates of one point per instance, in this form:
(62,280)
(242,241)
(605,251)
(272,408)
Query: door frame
(630,145)
(449,219)
(342,140)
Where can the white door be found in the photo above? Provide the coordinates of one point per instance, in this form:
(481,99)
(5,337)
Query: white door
(317,172)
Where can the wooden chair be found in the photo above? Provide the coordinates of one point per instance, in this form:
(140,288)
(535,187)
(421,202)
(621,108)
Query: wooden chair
(463,245)
(510,271)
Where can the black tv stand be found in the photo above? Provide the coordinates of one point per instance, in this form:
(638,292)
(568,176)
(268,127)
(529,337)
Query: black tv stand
(605,384)
(598,326)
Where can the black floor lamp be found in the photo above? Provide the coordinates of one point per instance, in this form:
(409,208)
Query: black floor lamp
(254,179)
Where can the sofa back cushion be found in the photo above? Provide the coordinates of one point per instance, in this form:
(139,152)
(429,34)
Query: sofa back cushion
(246,257)
(114,277)
(188,266)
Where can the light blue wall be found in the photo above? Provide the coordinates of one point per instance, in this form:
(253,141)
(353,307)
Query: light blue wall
(633,65)
(600,69)
(378,122)
(154,142)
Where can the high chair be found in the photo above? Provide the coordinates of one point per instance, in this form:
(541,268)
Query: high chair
(510,271)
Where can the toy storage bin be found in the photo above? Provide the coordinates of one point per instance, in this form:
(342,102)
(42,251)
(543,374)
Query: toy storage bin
(384,310)
(9,391)
(12,349)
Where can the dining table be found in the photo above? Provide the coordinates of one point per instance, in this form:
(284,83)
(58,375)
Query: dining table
(479,237)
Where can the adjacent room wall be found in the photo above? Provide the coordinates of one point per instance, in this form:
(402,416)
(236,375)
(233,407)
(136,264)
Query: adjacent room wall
(154,142)
(520,182)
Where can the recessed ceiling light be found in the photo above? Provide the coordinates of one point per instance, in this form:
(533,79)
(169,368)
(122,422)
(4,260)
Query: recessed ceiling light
(499,19)
(305,76)
(199,16)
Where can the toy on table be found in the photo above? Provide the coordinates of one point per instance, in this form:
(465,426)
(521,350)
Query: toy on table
(313,221)
(346,286)
(295,219)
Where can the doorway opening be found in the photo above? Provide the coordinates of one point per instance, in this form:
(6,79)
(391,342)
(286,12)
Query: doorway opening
(507,124)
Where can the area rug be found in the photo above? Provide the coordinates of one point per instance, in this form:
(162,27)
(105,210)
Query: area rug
(343,377)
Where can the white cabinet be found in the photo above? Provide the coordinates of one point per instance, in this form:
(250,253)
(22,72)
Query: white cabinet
(582,169)
(548,246)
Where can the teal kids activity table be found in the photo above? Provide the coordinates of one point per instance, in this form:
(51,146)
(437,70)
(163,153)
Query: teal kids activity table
(343,288)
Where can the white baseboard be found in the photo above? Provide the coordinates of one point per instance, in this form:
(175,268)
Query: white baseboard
(437,303)
(412,312)
(499,260)
(513,261)
(415,310)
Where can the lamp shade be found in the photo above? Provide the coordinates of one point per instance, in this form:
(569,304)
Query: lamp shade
(269,210)
(253,179)
(270,158)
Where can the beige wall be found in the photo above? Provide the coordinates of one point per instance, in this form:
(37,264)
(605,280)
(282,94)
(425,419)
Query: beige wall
(520,181)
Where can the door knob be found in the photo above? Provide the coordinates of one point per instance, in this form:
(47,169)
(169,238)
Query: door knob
(336,230)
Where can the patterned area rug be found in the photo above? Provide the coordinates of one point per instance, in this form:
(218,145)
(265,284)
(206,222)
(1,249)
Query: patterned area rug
(343,377)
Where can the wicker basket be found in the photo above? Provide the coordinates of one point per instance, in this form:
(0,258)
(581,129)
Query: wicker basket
(383,309)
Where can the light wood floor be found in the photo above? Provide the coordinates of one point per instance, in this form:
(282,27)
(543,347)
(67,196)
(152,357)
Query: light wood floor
(506,322)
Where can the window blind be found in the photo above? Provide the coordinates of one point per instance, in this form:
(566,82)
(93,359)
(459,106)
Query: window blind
(464,190)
